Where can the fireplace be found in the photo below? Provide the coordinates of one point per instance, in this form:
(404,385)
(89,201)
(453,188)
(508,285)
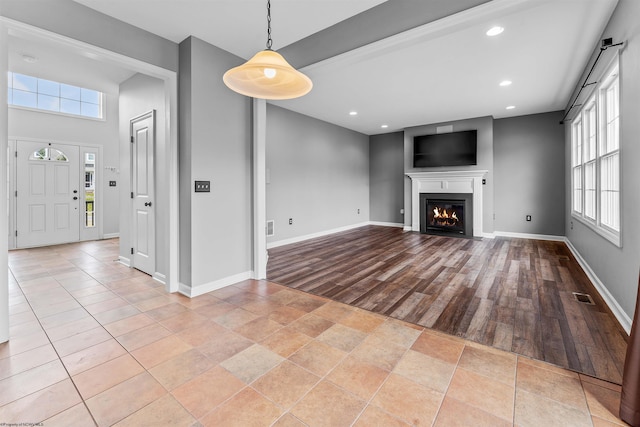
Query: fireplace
(448,185)
(446,214)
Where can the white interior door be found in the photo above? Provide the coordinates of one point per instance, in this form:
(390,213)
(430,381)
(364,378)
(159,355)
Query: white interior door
(47,196)
(142,193)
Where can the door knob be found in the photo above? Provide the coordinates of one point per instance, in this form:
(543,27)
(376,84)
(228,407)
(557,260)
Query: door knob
(147,203)
(75,198)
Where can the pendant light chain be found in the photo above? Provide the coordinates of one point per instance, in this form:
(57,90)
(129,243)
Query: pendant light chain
(269,41)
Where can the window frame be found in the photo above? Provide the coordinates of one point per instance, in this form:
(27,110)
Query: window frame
(101,104)
(597,100)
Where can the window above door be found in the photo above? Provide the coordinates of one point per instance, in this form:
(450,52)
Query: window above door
(54,97)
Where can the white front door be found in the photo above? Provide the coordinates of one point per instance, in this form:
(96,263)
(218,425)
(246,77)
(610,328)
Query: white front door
(47,196)
(143,251)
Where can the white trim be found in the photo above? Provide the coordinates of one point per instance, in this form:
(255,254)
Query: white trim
(192,292)
(488,235)
(124,261)
(386,224)
(618,312)
(549,237)
(159,277)
(259,189)
(314,235)
(463,181)
(111,235)
(407,228)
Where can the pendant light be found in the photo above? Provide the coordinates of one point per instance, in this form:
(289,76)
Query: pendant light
(268,75)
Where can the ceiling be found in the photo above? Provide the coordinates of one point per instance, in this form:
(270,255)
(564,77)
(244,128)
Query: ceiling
(399,63)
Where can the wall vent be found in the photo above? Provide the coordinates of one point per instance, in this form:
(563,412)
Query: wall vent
(270,228)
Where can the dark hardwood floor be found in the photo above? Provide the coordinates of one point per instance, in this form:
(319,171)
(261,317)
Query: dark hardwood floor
(512,294)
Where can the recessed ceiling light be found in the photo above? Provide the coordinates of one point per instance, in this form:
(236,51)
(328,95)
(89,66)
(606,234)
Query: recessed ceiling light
(494,31)
(505,83)
(353,113)
(511,107)
(384,126)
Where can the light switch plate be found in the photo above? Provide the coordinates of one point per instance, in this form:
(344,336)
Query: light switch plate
(202,186)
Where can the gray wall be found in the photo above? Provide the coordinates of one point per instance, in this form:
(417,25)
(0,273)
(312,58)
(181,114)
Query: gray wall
(529,174)
(138,95)
(386,177)
(484,126)
(318,175)
(617,268)
(79,22)
(215,145)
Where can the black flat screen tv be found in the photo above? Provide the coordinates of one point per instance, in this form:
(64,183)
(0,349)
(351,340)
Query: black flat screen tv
(445,149)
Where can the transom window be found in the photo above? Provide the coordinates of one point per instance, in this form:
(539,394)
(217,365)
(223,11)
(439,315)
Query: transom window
(46,95)
(595,159)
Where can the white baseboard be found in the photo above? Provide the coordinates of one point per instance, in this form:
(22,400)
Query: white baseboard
(530,236)
(618,312)
(386,224)
(124,261)
(407,228)
(314,235)
(159,277)
(489,235)
(192,292)
(110,235)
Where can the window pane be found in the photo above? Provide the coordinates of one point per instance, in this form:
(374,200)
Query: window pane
(577,189)
(70,92)
(26,83)
(611,107)
(57,156)
(10,97)
(50,103)
(89,190)
(25,99)
(91,96)
(90,110)
(610,191)
(577,144)
(9,79)
(47,87)
(41,154)
(590,190)
(590,132)
(69,106)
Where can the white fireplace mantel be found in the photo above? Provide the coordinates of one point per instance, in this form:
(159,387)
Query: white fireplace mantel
(447,182)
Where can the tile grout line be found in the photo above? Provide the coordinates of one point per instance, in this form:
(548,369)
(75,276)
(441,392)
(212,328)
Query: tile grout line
(56,351)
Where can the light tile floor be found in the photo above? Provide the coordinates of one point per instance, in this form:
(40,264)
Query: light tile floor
(96,343)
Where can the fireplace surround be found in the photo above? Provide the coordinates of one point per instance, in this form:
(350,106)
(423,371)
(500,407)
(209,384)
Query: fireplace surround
(448,182)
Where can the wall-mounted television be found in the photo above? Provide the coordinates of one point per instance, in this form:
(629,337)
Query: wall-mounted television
(445,149)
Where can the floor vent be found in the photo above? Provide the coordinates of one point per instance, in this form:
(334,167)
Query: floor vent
(583,298)
(563,258)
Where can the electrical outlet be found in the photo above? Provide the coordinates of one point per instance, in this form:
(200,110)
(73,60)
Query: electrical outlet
(290,221)
(528,217)
(358,211)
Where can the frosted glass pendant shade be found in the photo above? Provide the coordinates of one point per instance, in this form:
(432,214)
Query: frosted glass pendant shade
(269,76)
